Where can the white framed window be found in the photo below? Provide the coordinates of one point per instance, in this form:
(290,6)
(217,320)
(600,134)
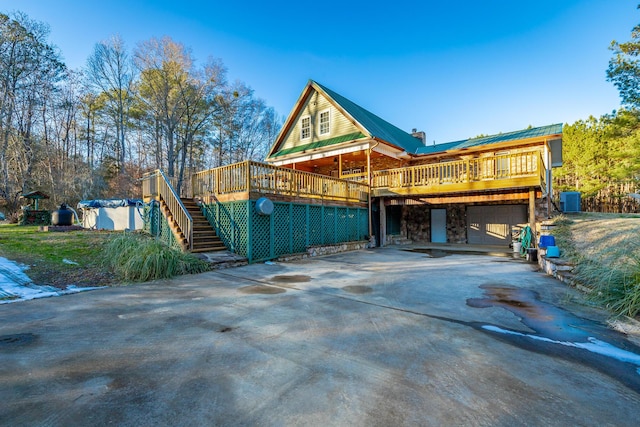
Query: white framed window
(502,164)
(305,127)
(325,122)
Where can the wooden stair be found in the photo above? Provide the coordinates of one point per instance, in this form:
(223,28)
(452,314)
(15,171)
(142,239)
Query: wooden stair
(173,225)
(205,238)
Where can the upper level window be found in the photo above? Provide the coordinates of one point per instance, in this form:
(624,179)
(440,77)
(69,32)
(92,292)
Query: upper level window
(305,127)
(502,164)
(325,125)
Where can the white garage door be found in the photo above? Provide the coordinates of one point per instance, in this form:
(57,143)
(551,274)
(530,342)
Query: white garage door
(491,225)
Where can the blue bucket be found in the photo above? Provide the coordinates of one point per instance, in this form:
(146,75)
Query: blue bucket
(553,252)
(546,241)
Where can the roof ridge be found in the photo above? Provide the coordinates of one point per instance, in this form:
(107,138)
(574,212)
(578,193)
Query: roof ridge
(375,125)
(533,132)
(506,134)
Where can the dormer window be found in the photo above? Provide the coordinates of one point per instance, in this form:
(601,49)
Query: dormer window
(305,127)
(325,124)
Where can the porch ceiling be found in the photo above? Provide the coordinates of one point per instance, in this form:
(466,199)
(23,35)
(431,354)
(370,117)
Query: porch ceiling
(325,156)
(318,144)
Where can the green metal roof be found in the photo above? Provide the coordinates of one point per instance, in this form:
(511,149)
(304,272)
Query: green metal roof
(375,126)
(380,129)
(492,139)
(318,144)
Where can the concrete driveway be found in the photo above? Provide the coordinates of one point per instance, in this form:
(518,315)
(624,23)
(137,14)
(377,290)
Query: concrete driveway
(374,337)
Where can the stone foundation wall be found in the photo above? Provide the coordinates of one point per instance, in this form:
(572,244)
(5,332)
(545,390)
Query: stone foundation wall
(542,212)
(321,250)
(416,223)
(416,220)
(456,224)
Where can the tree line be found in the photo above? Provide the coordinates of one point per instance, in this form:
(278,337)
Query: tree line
(602,155)
(91,133)
(601,160)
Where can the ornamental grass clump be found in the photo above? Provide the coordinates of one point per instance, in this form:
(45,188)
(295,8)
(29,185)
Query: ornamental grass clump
(138,258)
(614,287)
(564,238)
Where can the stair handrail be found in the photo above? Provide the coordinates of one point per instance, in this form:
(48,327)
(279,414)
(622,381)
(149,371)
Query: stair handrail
(180,213)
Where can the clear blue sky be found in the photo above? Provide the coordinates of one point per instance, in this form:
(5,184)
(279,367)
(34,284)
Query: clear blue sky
(454,69)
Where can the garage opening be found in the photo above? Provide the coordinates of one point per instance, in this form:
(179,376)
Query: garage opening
(491,225)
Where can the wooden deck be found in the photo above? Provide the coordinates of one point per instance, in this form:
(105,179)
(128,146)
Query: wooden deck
(249,179)
(503,172)
(490,175)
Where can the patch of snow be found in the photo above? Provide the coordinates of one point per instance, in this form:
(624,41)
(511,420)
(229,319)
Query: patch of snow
(15,285)
(68,261)
(594,345)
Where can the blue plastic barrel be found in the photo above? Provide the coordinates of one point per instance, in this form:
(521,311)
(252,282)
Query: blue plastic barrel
(546,241)
(553,252)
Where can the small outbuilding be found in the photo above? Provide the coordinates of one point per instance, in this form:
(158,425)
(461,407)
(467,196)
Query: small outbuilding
(112,214)
(35,196)
(32,214)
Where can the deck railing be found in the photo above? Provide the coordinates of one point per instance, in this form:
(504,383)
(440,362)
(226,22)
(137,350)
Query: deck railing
(500,167)
(156,185)
(250,176)
(500,171)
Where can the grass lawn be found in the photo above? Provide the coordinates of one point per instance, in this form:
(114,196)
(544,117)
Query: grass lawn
(606,250)
(93,258)
(51,255)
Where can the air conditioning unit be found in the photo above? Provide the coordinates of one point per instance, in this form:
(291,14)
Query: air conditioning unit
(570,201)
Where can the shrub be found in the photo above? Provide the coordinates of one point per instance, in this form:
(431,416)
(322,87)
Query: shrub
(32,217)
(138,258)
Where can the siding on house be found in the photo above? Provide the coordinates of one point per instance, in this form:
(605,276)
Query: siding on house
(315,104)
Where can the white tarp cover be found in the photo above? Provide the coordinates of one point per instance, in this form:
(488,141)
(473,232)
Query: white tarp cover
(112,214)
(108,203)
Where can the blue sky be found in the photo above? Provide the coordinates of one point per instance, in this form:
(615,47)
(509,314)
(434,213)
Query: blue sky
(454,69)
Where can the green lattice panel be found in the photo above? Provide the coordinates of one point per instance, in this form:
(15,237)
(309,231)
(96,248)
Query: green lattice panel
(147,219)
(166,236)
(209,213)
(329,225)
(341,229)
(156,216)
(241,227)
(299,219)
(289,229)
(363,227)
(224,223)
(151,213)
(260,236)
(352,224)
(315,225)
(281,229)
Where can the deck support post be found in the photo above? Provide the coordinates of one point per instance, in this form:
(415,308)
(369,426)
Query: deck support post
(369,183)
(532,214)
(383,223)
